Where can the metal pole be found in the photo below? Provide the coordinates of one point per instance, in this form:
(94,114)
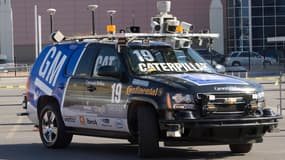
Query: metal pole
(249,65)
(40,32)
(15,65)
(36,31)
(51,23)
(250,25)
(93,22)
(280,92)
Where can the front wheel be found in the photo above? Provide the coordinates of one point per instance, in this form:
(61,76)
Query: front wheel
(52,129)
(240,148)
(148,135)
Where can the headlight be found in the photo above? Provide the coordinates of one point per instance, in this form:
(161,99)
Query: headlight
(180,101)
(180,98)
(258,101)
(258,96)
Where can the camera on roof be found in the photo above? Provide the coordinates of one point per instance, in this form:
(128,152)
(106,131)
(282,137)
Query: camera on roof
(178,43)
(187,27)
(155,26)
(171,26)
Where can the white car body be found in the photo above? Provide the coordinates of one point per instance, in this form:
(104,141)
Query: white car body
(241,58)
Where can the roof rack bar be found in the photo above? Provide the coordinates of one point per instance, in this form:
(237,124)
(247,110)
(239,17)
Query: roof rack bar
(144,35)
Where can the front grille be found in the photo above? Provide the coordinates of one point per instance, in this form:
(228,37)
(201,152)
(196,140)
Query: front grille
(221,103)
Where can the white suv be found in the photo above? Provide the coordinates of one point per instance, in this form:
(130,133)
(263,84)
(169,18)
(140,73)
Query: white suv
(241,58)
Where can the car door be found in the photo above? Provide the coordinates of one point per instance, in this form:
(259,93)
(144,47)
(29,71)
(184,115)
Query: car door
(75,105)
(105,94)
(243,58)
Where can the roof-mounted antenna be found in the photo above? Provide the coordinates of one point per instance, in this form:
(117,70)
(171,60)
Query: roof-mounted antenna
(111,28)
(92,8)
(51,12)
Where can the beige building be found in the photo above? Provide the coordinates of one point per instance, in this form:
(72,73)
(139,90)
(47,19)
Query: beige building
(73,18)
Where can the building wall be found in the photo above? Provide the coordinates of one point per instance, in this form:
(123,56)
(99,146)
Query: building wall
(6,31)
(73,18)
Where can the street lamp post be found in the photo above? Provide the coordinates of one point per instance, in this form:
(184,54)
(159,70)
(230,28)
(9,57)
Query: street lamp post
(51,12)
(92,8)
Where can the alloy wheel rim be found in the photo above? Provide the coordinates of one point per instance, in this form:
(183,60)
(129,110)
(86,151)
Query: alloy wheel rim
(49,127)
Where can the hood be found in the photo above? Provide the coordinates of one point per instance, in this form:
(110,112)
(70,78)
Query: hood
(206,82)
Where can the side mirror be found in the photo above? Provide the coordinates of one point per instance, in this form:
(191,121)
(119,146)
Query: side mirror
(220,68)
(109,71)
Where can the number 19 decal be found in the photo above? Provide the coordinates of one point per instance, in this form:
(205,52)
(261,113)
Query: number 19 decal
(116,92)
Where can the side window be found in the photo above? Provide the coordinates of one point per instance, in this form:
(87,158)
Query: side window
(85,65)
(244,54)
(107,56)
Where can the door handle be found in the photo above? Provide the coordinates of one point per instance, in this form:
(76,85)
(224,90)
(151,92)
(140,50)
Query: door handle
(91,88)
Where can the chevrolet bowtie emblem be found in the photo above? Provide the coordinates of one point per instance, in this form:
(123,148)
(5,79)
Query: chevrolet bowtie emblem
(230,101)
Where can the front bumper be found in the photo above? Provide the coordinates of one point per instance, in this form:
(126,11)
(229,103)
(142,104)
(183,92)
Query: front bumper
(206,131)
(223,123)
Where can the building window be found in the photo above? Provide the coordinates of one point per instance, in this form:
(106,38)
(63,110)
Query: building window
(269,21)
(280,31)
(257,32)
(256,2)
(269,32)
(257,21)
(269,2)
(256,12)
(280,11)
(269,11)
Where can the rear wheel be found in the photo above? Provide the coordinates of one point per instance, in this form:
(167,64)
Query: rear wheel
(240,148)
(148,132)
(52,129)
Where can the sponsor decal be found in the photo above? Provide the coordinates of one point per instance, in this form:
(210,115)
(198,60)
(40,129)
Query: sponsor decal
(95,83)
(105,122)
(139,82)
(69,119)
(49,70)
(82,120)
(233,88)
(119,123)
(172,67)
(91,121)
(144,91)
(146,58)
(103,61)
(210,79)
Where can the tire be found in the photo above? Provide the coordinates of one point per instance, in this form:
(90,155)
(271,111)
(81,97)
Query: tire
(133,141)
(236,64)
(240,148)
(148,132)
(52,129)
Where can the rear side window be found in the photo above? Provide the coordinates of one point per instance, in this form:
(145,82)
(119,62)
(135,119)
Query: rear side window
(244,54)
(84,68)
(234,54)
(107,56)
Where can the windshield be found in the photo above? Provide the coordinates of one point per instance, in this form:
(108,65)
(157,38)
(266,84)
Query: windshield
(163,59)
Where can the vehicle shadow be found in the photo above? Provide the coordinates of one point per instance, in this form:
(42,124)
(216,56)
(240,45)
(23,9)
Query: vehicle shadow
(116,151)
